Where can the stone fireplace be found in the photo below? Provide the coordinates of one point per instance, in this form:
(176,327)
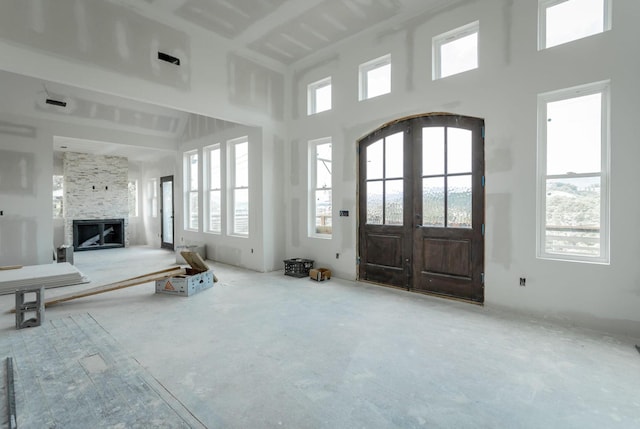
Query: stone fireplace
(96,200)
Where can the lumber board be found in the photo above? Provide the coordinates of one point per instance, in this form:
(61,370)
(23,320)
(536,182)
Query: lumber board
(195,260)
(145,278)
(10,267)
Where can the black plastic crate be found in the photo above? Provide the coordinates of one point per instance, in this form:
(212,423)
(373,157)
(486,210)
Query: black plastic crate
(297,267)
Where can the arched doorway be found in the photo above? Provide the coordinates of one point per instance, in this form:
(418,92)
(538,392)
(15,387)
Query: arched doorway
(421,205)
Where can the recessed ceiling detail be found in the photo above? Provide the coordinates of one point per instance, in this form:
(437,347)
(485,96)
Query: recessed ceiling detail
(227,18)
(322,25)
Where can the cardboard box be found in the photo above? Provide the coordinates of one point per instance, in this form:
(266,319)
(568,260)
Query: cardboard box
(186,285)
(320,274)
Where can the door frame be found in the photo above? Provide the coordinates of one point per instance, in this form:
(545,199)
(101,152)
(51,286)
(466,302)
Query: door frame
(163,244)
(411,125)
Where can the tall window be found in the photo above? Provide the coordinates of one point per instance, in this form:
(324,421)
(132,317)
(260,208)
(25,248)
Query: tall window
(320,205)
(214,190)
(456,51)
(153,197)
(375,77)
(573,171)
(58,196)
(239,160)
(133,198)
(191,176)
(319,96)
(562,21)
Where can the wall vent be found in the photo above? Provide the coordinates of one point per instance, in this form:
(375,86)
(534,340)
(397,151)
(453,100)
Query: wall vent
(56,102)
(168,58)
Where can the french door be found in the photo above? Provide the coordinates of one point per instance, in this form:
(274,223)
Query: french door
(421,205)
(166,212)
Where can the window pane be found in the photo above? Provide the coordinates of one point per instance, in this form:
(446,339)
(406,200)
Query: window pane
(242,164)
(215,224)
(394,155)
(458,151)
(574,135)
(432,151)
(133,198)
(323,166)
(193,210)
(241,211)
(574,19)
(459,201)
(433,201)
(323,212)
(573,216)
(167,218)
(459,55)
(193,172)
(323,98)
(374,160)
(214,169)
(394,202)
(58,196)
(379,81)
(374,203)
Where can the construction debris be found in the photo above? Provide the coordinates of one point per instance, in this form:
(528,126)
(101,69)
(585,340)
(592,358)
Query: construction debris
(46,275)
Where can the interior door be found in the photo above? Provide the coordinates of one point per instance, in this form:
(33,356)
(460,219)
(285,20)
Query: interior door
(421,206)
(166,212)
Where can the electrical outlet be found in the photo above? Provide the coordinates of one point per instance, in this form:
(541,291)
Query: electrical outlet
(251,250)
(337,256)
(523,281)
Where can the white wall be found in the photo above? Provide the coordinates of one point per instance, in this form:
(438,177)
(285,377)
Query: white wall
(503,91)
(26,170)
(225,247)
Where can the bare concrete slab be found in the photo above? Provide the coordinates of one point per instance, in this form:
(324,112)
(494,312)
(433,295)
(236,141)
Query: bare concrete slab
(265,350)
(70,373)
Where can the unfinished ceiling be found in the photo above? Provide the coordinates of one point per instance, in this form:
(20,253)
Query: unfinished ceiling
(288,30)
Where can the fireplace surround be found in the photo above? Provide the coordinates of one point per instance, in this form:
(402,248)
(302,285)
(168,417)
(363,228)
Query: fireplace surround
(92,234)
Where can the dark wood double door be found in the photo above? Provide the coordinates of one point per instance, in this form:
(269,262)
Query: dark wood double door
(421,205)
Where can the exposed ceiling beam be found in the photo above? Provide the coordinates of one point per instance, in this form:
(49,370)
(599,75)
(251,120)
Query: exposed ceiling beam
(282,15)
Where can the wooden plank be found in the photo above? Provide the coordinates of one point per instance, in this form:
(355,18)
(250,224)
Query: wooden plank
(195,260)
(158,275)
(10,267)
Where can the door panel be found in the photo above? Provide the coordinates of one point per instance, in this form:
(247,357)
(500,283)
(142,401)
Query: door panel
(421,227)
(451,257)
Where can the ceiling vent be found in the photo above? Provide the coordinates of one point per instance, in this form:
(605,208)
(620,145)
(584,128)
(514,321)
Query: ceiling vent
(168,58)
(56,102)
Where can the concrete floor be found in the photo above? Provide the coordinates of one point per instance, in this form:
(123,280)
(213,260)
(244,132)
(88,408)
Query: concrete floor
(270,351)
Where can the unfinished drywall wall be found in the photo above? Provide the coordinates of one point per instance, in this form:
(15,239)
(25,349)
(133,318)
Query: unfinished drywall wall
(503,91)
(225,247)
(25,193)
(111,48)
(99,33)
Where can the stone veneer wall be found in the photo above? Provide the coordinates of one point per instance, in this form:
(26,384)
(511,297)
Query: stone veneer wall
(95,187)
